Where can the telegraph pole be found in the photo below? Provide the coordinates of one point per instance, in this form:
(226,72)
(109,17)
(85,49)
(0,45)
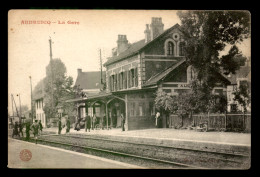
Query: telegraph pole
(12,106)
(50,42)
(16,108)
(20,105)
(100,66)
(31,98)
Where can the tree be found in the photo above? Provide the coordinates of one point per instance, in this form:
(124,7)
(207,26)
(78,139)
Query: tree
(243,95)
(57,89)
(208,33)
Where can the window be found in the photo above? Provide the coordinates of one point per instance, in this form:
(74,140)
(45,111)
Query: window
(136,76)
(128,79)
(233,108)
(132,109)
(132,76)
(112,82)
(182,45)
(115,82)
(125,79)
(170,48)
(140,109)
(218,91)
(152,108)
(121,80)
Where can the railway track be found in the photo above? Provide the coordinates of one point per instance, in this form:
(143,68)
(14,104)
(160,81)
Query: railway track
(149,155)
(145,162)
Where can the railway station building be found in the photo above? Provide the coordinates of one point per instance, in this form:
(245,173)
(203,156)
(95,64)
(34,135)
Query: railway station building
(136,71)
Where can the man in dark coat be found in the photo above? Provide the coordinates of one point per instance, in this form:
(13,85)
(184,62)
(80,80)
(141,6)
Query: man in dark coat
(35,128)
(40,126)
(59,126)
(68,125)
(27,131)
(15,130)
(94,119)
(122,122)
(20,128)
(88,123)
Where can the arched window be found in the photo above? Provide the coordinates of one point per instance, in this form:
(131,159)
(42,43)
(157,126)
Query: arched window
(182,45)
(170,48)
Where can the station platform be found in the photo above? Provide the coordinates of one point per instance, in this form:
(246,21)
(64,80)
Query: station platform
(217,142)
(169,134)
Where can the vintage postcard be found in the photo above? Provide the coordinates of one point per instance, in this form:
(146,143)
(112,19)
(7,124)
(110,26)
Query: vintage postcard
(129,89)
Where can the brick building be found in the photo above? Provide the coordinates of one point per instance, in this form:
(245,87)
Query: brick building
(136,71)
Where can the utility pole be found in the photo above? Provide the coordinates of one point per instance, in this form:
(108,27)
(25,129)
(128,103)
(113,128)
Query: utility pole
(16,108)
(12,106)
(50,42)
(20,105)
(31,98)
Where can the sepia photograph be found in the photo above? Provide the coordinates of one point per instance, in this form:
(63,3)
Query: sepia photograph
(129,89)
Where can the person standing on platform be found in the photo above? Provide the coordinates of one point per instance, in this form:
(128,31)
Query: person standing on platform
(88,123)
(94,121)
(122,121)
(59,126)
(157,120)
(35,128)
(40,127)
(102,121)
(27,131)
(21,128)
(67,124)
(15,130)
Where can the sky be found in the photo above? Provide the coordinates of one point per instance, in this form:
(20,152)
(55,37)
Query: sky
(77,45)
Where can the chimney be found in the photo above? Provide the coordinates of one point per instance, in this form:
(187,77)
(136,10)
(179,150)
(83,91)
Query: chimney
(114,52)
(147,33)
(79,71)
(156,27)
(122,44)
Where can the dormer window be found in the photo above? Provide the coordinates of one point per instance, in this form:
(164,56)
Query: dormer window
(170,48)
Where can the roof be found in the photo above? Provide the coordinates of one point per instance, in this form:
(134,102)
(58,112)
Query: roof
(89,80)
(158,77)
(243,72)
(93,96)
(136,47)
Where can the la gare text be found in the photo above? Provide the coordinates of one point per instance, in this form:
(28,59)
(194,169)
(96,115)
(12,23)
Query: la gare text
(28,22)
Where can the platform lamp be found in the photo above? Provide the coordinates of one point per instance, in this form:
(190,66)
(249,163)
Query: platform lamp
(60,110)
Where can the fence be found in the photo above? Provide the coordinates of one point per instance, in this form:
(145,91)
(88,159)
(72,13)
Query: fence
(218,122)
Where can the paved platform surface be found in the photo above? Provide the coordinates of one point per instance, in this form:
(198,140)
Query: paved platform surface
(51,157)
(174,134)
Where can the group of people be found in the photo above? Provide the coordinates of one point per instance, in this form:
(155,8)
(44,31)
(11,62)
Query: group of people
(35,127)
(67,125)
(91,122)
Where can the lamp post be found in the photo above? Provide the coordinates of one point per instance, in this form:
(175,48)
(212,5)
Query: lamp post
(60,111)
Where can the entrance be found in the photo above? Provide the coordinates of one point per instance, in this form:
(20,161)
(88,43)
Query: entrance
(116,107)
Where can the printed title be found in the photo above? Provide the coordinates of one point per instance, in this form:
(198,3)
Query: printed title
(48,22)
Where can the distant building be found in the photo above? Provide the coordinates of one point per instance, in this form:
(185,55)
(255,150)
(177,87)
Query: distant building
(38,96)
(90,83)
(242,76)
